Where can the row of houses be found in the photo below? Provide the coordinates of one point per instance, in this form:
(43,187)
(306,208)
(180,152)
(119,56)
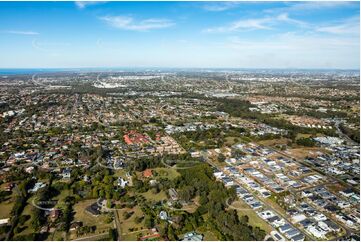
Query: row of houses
(261,210)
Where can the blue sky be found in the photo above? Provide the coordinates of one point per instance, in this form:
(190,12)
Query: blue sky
(180,34)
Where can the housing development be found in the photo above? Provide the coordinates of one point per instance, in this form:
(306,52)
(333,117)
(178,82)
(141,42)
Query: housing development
(180,154)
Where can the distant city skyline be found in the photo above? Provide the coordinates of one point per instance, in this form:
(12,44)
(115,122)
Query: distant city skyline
(309,35)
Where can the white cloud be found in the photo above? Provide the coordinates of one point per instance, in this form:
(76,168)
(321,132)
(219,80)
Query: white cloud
(128,23)
(244,24)
(20,32)
(348,26)
(311,6)
(315,5)
(219,6)
(84,4)
(265,23)
(284,17)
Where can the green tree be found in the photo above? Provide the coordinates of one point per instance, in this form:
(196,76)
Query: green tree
(113,234)
(221,157)
(171,234)
(149,222)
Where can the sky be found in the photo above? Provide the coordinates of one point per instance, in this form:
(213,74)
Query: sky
(311,35)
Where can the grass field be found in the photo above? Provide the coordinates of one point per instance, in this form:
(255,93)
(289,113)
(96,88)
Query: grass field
(5,208)
(127,224)
(253,218)
(130,237)
(89,220)
(217,163)
(27,225)
(273,142)
(7,205)
(154,197)
(209,236)
(64,193)
(57,235)
(120,172)
(133,236)
(166,173)
(232,140)
(300,135)
(190,208)
(193,206)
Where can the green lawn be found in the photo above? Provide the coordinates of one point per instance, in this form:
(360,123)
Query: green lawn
(209,236)
(130,237)
(166,173)
(154,197)
(64,193)
(129,223)
(27,211)
(89,220)
(57,235)
(120,172)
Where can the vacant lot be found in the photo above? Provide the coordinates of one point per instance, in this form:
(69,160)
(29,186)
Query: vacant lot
(301,153)
(336,188)
(273,142)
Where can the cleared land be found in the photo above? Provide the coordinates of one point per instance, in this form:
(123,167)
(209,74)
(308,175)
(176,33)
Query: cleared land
(273,142)
(301,153)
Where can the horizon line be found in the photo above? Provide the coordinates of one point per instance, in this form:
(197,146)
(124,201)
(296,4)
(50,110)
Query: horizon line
(155,67)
